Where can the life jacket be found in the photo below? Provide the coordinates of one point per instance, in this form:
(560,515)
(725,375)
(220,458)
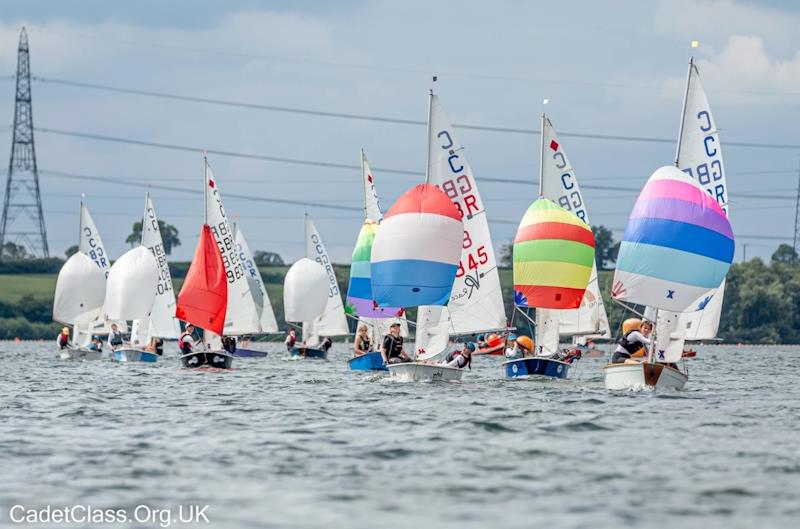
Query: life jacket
(184,346)
(63,340)
(365,344)
(115,338)
(290,341)
(395,348)
(630,347)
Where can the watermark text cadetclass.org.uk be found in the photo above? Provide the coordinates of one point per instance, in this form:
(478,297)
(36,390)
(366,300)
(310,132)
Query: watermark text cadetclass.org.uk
(88,514)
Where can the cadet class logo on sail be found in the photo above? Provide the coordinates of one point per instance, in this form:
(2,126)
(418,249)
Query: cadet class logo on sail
(459,188)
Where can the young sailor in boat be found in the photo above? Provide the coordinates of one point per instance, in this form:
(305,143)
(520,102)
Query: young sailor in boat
(96,345)
(512,351)
(63,338)
(229,344)
(156,346)
(291,339)
(392,350)
(186,340)
(361,345)
(462,358)
(634,340)
(114,337)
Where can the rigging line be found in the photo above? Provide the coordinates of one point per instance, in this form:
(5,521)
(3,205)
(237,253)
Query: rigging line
(134,183)
(401,69)
(386,119)
(334,165)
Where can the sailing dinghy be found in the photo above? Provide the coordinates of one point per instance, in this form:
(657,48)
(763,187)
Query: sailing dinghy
(201,305)
(476,301)
(553,263)
(698,154)
(359,291)
(677,249)
(589,321)
(332,320)
(161,323)
(267,324)
(81,289)
(130,295)
(305,295)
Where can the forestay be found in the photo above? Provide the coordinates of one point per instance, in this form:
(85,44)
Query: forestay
(131,287)
(332,321)
(476,300)
(559,184)
(266,316)
(677,247)
(242,315)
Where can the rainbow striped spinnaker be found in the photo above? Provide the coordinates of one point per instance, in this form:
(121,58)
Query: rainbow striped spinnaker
(677,247)
(553,257)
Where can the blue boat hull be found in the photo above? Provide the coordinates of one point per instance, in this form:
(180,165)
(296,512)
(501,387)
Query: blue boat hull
(309,352)
(249,353)
(368,362)
(134,355)
(524,367)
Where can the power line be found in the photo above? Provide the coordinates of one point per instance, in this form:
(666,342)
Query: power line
(400,69)
(386,119)
(334,165)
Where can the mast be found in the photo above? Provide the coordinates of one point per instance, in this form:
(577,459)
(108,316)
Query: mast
(80,221)
(305,233)
(363,163)
(144,216)
(683,110)
(205,188)
(541,157)
(430,133)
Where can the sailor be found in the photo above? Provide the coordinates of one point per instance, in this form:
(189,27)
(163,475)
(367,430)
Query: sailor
(156,346)
(63,338)
(97,344)
(525,345)
(229,344)
(291,339)
(326,344)
(392,350)
(634,340)
(186,340)
(462,358)
(361,345)
(114,337)
(512,351)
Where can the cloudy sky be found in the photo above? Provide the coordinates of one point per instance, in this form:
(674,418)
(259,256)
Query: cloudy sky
(608,68)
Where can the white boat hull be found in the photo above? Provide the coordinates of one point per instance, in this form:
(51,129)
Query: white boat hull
(79,354)
(419,372)
(642,375)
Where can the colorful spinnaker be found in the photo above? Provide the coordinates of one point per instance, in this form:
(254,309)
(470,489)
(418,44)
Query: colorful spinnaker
(553,257)
(677,247)
(203,299)
(415,253)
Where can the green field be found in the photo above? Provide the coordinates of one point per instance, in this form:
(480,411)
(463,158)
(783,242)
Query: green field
(15,286)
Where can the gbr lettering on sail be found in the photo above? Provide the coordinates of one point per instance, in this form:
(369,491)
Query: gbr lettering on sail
(224,237)
(458,185)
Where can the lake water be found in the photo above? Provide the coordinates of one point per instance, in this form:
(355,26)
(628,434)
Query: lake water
(276,443)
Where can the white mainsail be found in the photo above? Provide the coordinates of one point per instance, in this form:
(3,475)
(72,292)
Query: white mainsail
(699,154)
(266,316)
(90,242)
(559,184)
(476,301)
(131,287)
(332,322)
(242,315)
(162,321)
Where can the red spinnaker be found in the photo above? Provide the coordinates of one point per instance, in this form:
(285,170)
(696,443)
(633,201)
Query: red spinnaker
(203,300)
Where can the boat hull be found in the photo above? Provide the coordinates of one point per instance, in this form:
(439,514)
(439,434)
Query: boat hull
(134,355)
(309,352)
(79,354)
(497,350)
(419,372)
(218,359)
(525,367)
(249,353)
(367,362)
(642,375)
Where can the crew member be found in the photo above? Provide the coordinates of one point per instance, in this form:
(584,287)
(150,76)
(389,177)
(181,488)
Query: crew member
(63,338)
(392,350)
(634,340)
(114,337)
(186,340)
(361,345)
(462,358)
(291,339)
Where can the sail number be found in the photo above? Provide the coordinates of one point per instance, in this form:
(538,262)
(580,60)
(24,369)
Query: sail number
(322,258)
(474,260)
(222,234)
(164,280)
(571,199)
(96,252)
(709,173)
